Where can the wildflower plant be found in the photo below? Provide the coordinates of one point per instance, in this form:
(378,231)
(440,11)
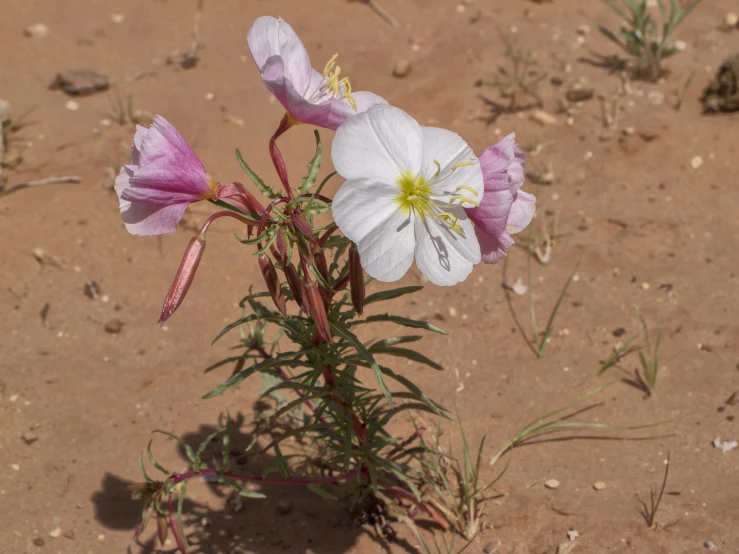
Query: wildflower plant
(412,193)
(645,39)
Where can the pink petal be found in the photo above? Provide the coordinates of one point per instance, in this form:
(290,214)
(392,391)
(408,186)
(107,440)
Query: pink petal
(149,219)
(492,215)
(493,248)
(522,211)
(270,37)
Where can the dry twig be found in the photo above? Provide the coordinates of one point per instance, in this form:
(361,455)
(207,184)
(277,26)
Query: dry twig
(40,183)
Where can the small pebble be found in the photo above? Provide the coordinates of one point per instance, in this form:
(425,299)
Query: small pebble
(117,17)
(114,326)
(72,106)
(38,541)
(401,68)
(29,437)
(543,118)
(599,485)
(285,506)
(461,8)
(551,484)
(101,537)
(572,534)
(15,467)
(210,96)
(70,534)
(731,20)
(696,162)
(645,286)
(37,30)
(453,312)
(14,398)
(710,546)
(55,533)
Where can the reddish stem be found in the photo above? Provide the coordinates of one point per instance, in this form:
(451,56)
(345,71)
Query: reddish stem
(179,477)
(276,155)
(218,215)
(265,215)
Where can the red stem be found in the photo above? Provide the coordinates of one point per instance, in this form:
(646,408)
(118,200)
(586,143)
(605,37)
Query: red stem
(218,215)
(179,477)
(276,155)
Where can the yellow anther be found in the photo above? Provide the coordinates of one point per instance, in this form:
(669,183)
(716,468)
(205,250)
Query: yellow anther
(452,222)
(438,169)
(467,188)
(329,65)
(462,199)
(455,167)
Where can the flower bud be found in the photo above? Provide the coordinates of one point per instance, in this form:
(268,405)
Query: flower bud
(184,277)
(162,528)
(317,310)
(356,279)
(281,246)
(303,227)
(177,534)
(237,195)
(273,283)
(296,287)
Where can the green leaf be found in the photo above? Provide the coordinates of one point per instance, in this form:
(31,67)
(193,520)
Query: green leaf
(265,189)
(414,389)
(237,487)
(390,294)
(189,452)
(313,167)
(343,332)
(152,461)
(406,353)
(404,321)
(206,442)
(392,341)
(227,443)
(312,487)
(180,503)
(241,375)
(141,466)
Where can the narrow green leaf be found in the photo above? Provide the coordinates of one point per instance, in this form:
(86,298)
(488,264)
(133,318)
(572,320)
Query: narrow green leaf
(406,353)
(180,503)
(320,492)
(153,462)
(141,466)
(189,452)
(555,310)
(404,321)
(313,167)
(240,376)
(390,294)
(343,332)
(206,442)
(264,188)
(238,488)
(392,341)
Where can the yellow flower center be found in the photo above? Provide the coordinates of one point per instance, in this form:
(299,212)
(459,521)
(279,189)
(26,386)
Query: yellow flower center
(340,88)
(416,194)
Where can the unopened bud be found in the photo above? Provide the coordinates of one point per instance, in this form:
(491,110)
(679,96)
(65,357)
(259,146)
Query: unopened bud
(184,277)
(273,283)
(321,265)
(177,534)
(237,195)
(317,310)
(296,287)
(356,279)
(281,246)
(302,226)
(162,528)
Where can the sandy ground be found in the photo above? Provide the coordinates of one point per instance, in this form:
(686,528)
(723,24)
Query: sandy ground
(652,230)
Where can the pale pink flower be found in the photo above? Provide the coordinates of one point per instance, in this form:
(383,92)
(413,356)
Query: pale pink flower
(322,99)
(505,209)
(164,176)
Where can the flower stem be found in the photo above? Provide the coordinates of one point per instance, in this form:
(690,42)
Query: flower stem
(176,478)
(276,155)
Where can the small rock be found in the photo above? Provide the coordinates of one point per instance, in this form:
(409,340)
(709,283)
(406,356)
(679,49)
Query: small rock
(15,467)
(651,130)
(402,68)
(38,541)
(580,94)
(656,97)
(491,548)
(209,96)
(29,437)
(572,534)
(70,534)
(236,504)
(205,522)
(566,547)
(551,484)
(630,144)
(710,546)
(114,326)
(619,332)
(599,485)
(72,106)
(56,532)
(583,30)
(92,290)
(117,17)
(731,20)
(285,506)
(37,30)
(557,81)
(543,118)
(696,162)
(453,312)
(79,82)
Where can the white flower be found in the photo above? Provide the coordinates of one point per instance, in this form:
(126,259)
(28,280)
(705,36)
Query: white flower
(405,194)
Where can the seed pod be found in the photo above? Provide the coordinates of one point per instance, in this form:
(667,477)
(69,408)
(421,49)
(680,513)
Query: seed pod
(356,279)
(317,310)
(296,287)
(184,277)
(273,283)
(162,528)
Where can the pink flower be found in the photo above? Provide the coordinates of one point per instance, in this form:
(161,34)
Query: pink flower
(308,96)
(164,176)
(505,209)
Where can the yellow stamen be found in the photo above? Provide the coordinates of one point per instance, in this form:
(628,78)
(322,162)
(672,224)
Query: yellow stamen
(333,84)
(438,169)
(468,188)
(452,222)
(455,167)
(462,199)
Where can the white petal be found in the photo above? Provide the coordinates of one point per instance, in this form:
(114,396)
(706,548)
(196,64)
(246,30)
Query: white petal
(361,205)
(379,144)
(450,150)
(386,252)
(443,256)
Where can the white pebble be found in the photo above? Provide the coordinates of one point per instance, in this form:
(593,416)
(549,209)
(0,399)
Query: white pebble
(15,467)
(117,17)
(55,532)
(696,162)
(37,30)
(551,484)
(210,96)
(72,105)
